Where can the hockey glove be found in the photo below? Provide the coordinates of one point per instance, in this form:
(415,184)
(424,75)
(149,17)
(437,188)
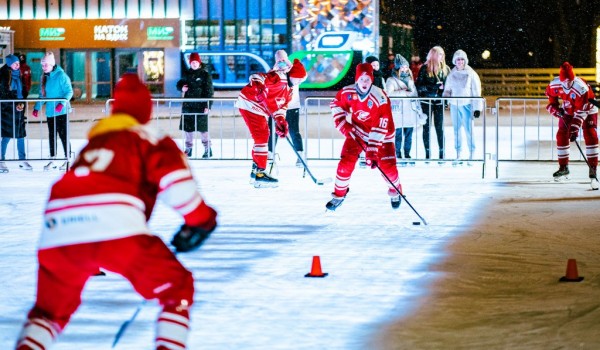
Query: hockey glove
(574,132)
(559,113)
(189,238)
(346,129)
(372,157)
(476,114)
(281,126)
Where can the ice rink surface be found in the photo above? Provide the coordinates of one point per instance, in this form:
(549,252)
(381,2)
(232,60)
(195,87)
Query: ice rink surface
(482,274)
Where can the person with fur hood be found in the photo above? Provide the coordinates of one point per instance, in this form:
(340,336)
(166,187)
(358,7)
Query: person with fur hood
(407,113)
(463,81)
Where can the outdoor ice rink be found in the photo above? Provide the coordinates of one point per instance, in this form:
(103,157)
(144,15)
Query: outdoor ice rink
(482,274)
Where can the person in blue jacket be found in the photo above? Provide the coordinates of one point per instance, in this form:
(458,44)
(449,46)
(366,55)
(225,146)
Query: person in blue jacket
(55,84)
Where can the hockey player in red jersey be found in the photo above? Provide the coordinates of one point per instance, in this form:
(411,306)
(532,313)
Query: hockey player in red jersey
(96,217)
(577,112)
(268,94)
(363,114)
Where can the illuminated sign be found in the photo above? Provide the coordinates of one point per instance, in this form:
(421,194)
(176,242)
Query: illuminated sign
(52,34)
(111,32)
(160,33)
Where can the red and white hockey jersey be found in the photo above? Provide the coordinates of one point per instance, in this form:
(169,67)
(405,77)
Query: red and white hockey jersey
(575,100)
(111,189)
(267,94)
(370,115)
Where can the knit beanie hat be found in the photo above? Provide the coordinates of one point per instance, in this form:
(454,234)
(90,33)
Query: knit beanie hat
(460,54)
(400,61)
(371,59)
(195,57)
(566,72)
(133,98)
(49,59)
(10,59)
(364,68)
(297,70)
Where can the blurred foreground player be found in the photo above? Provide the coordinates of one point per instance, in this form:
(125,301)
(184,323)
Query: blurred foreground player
(96,217)
(577,112)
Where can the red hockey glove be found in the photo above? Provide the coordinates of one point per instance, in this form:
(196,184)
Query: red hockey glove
(346,129)
(559,113)
(574,131)
(281,126)
(371,157)
(58,108)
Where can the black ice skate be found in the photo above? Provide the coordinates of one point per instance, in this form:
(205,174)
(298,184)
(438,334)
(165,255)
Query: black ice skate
(263,179)
(336,201)
(3,168)
(594,179)
(253,173)
(562,174)
(207,154)
(395,200)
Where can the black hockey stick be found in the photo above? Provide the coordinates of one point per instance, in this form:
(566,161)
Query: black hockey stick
(585,158)
(315,180)
(126,324)
(390,181)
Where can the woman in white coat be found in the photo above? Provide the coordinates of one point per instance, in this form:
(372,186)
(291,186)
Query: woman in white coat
(463,81)
(406,112)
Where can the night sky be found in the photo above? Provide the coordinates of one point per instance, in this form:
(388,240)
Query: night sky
(518,34)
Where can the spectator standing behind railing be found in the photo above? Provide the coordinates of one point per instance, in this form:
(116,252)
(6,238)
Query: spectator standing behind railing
(25,74)
(196,83)
(430,84)
(13,114)
(55,84)
(463,81)
(407,113)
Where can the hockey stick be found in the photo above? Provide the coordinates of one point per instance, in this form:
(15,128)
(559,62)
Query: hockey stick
(306,169)
(390,181)
(126,324)
(585,158)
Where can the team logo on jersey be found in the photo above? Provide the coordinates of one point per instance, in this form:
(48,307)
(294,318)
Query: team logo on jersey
(370,104)
(355,97)
(51,223)
(567,104)
(572,96)
(362,115)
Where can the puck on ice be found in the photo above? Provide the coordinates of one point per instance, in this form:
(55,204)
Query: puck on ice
(416,223)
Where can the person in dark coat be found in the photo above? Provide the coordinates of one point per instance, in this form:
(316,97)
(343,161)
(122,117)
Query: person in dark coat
(196,83)
(379,80)
(25,74)
(12,112)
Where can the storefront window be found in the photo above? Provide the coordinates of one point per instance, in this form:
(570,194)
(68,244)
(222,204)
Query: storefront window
(153,63)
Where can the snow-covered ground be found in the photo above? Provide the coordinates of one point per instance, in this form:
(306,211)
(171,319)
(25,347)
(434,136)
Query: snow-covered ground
(482,274)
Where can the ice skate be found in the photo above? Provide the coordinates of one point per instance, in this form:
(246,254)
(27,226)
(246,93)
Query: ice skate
(3,168)
(262,179)
(26,166)
(362,161)
(395,201)
(49,166)
(594,179)
(207,154)
(253,173)
(188,151)
(336,201)
(562,174)
(63,166)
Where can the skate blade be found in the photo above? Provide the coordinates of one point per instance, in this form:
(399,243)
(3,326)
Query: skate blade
(260,184)
(3,171)
(561,179)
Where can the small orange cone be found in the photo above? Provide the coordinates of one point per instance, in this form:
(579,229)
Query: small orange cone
(571,275)
(315,271)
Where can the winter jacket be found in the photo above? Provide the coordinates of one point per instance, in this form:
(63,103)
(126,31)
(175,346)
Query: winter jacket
(464,83)
(200,85)
(12,120)
(431,86)
(57,86)
(407,113)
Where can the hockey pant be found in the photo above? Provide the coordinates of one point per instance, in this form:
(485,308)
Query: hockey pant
(259,129)
(590,135)
(350,152)
(144,260)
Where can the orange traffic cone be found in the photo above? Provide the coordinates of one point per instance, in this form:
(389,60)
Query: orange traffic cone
(571,275)
(315,271)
